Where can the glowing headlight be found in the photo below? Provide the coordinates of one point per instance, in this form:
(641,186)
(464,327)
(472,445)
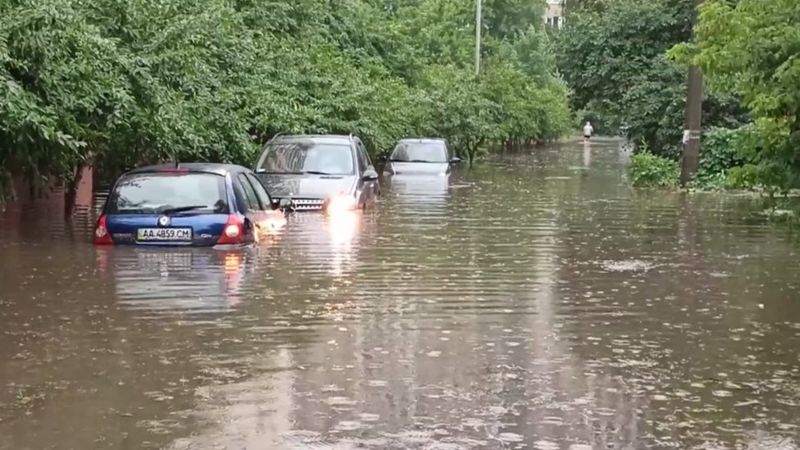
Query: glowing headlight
(341,203)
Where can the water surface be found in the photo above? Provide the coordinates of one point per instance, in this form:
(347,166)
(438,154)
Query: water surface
(534,302)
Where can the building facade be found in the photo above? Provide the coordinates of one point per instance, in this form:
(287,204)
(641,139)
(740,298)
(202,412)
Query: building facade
(554,13)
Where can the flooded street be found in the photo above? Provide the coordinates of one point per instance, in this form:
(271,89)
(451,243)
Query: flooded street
(534,302)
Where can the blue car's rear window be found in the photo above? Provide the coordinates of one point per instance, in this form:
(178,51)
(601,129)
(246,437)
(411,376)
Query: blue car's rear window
(169,192)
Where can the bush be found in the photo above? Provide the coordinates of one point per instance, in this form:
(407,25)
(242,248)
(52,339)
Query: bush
(719,154)
(744,177)
(649,170)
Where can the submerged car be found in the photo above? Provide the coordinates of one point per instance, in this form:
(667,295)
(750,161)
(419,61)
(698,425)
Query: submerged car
(193,204)
(328,172)
(421,156)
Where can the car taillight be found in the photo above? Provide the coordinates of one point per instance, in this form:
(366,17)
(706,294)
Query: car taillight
(233,232)
(101,234)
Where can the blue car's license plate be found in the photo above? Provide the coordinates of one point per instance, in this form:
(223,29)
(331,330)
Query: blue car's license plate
(164,234)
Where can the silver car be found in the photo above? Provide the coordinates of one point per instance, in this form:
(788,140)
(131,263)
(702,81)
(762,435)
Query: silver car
(423,156)
(318,172)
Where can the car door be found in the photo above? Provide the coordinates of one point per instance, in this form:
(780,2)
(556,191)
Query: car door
(253,210)
(369,188)
(271,219)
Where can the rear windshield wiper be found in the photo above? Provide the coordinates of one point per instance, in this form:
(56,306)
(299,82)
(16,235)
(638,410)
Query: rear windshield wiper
(412,160)
(181,209)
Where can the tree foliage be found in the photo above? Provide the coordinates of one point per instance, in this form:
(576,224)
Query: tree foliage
(116,83)
(720,154)
(751,49)
(612,53)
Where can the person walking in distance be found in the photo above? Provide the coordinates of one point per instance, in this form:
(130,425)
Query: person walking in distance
(587,131)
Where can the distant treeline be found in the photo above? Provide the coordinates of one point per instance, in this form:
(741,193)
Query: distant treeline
(115,83)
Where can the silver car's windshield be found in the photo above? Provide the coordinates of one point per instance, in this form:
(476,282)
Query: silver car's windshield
(429,152)
(307,158)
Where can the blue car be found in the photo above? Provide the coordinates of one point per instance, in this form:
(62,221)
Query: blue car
(194,204)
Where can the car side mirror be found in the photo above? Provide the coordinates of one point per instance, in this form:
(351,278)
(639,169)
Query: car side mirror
(370,175)
(455,160)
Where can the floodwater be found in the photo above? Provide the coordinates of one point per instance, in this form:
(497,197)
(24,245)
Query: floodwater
(534,302)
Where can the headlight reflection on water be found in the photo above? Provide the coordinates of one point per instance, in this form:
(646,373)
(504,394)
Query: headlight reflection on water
(342,229)
(340,204)
(343,226)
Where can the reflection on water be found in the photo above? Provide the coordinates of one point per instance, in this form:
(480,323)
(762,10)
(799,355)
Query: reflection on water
(424,194)
(535,302)
(159,281)
(327,242)
(419,188)
(587,154)
(343,229)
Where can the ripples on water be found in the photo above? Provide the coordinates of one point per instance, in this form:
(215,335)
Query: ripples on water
(533,302)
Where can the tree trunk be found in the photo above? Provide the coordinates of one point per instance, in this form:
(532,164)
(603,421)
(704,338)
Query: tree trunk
(78,190)
(71,191)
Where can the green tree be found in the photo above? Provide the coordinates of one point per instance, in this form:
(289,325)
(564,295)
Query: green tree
(612,53)
(751,49)
(118,83)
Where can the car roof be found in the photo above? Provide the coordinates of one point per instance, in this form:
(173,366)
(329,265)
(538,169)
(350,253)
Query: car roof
(316,138)
(214,168)
(421,140)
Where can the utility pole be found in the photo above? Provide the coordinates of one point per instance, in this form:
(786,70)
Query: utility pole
(692,130)
(692,126)
(478,20)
